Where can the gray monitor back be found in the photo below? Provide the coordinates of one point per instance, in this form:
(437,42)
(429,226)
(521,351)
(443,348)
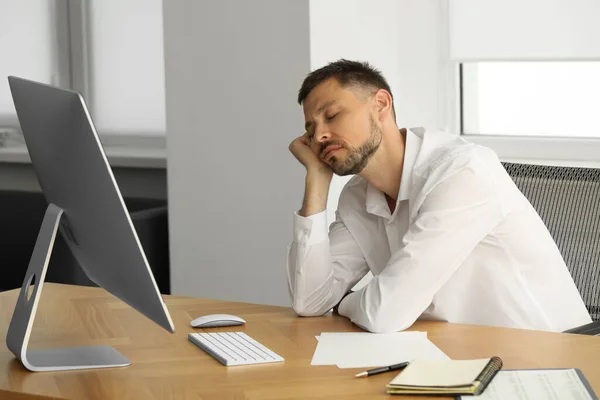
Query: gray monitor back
(74,174)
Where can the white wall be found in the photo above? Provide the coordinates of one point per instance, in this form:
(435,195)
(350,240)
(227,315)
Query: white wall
(400,38)
(233,69)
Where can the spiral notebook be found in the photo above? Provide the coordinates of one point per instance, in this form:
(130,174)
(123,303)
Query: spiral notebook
(445,377)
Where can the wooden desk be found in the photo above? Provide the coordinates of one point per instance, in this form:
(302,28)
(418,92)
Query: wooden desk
(168,366)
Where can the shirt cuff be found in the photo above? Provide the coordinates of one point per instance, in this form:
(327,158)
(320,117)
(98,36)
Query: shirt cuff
(310,230)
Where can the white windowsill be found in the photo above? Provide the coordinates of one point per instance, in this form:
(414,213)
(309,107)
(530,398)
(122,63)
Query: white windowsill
(121,151)
(567,152)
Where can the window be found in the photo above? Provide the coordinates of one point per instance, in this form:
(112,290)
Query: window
(529,111)
(127,66)
(541,99)
(526,83)
(109,50)
(18,42)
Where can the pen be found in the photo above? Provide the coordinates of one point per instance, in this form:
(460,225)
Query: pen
(382,369)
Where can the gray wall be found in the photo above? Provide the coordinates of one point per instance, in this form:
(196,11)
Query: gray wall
(233,69)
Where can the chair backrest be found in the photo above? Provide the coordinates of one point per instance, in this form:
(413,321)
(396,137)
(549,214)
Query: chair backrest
(568,201)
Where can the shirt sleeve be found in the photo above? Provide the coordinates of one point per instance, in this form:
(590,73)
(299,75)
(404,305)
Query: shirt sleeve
(321,267)
(458,212)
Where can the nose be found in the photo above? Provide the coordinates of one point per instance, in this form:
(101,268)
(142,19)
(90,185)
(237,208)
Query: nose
(322,134)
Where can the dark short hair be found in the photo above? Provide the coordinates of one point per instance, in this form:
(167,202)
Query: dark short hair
(347,73)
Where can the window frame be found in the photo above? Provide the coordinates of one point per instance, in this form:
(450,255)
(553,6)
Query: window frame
(564,151)
(570,151)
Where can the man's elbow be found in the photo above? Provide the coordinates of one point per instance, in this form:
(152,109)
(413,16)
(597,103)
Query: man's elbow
(304,310)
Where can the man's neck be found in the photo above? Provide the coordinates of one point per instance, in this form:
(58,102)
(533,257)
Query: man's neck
(391,203)
(384,171)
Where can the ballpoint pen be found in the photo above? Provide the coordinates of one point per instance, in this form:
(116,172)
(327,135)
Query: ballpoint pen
(382,369)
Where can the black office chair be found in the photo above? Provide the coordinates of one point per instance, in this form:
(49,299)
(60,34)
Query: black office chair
(568,201)
(21,214)
(152,230)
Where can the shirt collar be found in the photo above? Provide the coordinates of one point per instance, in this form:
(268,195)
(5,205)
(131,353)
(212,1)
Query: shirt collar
(411,150)
(375,199)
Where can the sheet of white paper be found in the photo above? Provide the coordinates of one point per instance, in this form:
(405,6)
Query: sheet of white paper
(316,337)
(364,350)
(548,384)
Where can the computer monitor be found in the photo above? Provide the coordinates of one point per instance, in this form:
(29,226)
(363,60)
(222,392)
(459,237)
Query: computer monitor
(86,207)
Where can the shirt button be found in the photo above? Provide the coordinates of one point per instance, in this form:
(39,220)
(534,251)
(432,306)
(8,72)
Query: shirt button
(305,231)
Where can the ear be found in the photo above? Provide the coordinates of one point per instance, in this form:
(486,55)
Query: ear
(383,102)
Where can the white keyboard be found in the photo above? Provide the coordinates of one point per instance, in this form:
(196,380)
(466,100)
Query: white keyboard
(234,348)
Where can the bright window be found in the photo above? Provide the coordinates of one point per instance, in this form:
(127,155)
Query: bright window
(127,66)
(112,52)
(536,99)
(27,48)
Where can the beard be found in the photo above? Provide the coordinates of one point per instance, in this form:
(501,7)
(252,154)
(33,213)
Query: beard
(359,157)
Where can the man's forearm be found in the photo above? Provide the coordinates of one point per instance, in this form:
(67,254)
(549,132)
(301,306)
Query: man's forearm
(315,194)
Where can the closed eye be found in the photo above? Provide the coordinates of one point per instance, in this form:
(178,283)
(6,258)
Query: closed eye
(331,117)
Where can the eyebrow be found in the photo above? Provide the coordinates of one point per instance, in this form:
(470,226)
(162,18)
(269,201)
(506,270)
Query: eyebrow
(319,111)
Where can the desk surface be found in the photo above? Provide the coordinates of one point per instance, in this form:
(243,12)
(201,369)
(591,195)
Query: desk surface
(168,366)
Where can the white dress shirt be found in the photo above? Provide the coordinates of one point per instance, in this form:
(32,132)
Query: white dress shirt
(462,245)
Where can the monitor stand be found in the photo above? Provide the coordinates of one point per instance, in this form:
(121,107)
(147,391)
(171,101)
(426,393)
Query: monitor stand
(17,337)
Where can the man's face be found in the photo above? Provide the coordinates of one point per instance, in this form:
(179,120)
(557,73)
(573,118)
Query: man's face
(343,129)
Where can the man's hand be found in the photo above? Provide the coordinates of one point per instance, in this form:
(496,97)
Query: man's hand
(337,306)
(307,152)
(318,175)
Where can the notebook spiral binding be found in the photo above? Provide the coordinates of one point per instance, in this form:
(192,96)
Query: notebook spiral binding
(488,373)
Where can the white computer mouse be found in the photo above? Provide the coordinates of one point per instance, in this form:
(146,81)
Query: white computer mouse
(215,320)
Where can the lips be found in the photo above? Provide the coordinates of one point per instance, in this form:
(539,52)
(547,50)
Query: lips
(329,150)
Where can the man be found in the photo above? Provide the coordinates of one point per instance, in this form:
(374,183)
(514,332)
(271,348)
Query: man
(437,220)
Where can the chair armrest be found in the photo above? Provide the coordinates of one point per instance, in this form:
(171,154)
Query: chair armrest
(592,329)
